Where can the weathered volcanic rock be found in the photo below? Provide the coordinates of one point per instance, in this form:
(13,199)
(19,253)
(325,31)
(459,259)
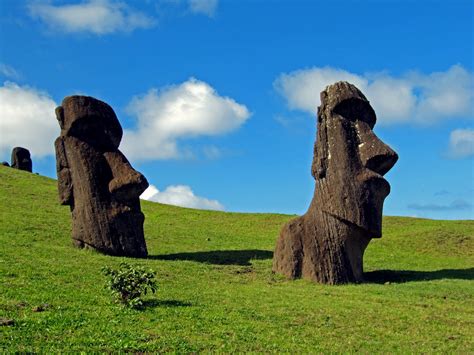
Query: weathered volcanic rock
(6,322)
(4,163)
(97,181)
(21,159)
(327,243)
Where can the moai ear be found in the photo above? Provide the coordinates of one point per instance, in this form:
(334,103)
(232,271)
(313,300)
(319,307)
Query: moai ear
(64,174)
(60,116)
(321,150)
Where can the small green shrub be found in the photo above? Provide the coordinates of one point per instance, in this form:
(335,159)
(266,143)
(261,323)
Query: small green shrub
(128,283)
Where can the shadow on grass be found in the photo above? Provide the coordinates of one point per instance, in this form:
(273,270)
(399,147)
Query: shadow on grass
(219,257)
(165,303)
(401,276)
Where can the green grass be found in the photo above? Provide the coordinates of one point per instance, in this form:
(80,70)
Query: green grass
(216,290)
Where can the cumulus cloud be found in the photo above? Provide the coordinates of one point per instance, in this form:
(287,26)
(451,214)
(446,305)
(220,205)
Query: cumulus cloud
(93,16)
(461,143)
(27,119)
(9,72)
(456,205)
(180,195)
(190,109)
(206,7)
(412,97)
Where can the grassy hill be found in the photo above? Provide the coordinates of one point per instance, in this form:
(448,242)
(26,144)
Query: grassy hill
(216,290)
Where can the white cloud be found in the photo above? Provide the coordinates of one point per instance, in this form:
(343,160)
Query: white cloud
(412,97)
(180,195)
(212,152)
(27,119)
(453,206)
(190,109)
(93,16)
(301,88)
(206,7)
(9,72)
(461,143)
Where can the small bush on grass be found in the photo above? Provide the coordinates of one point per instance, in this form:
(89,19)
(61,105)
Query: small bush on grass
(128,283)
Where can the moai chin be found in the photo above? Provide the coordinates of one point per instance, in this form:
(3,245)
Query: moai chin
(97,181)
(327,243)
(21,159)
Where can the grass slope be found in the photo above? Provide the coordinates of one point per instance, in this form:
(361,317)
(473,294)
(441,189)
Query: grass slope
(217,292)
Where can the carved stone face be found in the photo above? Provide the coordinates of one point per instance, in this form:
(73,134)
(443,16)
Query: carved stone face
(350,160)
(96,179)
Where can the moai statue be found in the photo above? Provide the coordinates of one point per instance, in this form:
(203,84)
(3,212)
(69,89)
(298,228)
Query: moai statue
(21,159)
(327,243)
(97,181)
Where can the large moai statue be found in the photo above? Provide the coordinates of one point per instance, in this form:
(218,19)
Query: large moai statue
(21,159)
(327,243)
(97,181)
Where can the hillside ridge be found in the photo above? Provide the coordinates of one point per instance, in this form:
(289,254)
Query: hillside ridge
(216,289)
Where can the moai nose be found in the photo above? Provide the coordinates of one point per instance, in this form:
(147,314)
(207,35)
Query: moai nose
(375,154)
(382,162)
(127,183)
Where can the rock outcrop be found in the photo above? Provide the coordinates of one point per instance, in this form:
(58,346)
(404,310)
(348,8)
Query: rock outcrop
(97,181)
(327,243)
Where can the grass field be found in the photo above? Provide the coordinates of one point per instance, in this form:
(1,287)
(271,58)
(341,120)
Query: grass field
(216,290)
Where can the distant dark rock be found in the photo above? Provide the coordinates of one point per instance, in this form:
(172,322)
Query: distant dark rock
(21,159)
(5,163)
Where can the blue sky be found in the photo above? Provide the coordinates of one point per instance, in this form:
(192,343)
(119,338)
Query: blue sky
(218,97)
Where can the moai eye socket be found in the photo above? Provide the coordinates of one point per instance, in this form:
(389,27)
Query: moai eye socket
(355,109)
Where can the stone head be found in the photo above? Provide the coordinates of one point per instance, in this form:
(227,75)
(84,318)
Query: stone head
(96,179)
(91,121)
(350,160)
(21,159)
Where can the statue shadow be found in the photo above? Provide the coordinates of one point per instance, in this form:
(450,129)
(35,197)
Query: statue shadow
(402,276)
(164,303)
(219,257)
